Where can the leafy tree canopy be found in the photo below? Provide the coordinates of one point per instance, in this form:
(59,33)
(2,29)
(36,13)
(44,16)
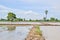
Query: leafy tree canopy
(11,16)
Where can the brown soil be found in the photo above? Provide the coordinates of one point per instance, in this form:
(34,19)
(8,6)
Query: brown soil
(33,35)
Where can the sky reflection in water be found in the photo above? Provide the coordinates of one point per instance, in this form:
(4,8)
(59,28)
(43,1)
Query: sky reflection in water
(20,33)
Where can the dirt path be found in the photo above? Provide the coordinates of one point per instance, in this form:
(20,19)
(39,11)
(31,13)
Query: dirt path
(33,35)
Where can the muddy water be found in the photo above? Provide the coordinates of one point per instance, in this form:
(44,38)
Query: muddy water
(20,32)
(51,32)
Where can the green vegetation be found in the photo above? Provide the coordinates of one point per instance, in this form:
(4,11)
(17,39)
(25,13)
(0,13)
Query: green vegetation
(46,12)
(11,17)
(38,31)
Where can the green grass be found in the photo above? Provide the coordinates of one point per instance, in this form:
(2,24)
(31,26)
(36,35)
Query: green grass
(38,31)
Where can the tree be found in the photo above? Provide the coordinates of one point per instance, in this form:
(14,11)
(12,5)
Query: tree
(3,19)
(30,20)
(18,19)
(44,18)
(46,12)
(57,20)
(52,19)
(11,16)
(24,19)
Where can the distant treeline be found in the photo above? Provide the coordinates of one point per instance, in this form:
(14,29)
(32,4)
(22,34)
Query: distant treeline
(12,17)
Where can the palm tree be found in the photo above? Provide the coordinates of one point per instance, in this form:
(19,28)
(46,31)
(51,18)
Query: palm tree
(46,12)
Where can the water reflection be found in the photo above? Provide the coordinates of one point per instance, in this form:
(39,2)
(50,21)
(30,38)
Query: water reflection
(51,32)
(7,28)
(19,33)
(11,28)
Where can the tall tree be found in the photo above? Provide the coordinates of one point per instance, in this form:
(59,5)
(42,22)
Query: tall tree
(11,16)
(52,19)
(46,12)
(44,18)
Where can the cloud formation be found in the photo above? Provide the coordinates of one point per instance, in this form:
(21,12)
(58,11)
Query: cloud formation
(36,7)
(20,13)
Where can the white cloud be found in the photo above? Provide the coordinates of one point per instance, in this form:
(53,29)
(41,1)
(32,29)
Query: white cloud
(20,13)
(52,6)
(4,8)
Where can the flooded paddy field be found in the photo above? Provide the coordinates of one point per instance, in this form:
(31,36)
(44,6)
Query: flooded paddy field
(21,32)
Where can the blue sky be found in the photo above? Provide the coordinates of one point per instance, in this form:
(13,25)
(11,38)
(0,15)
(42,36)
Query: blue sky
(30,9)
